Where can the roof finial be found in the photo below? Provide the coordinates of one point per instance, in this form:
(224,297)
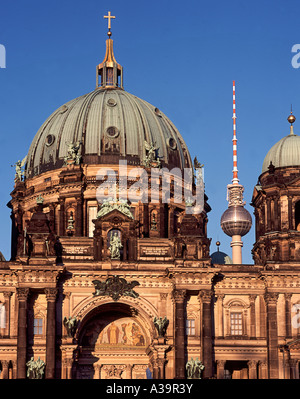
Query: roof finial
(109,70)
(109,17)
(234,141)
(291,120)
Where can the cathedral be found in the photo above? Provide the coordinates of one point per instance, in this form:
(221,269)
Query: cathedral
(111,274)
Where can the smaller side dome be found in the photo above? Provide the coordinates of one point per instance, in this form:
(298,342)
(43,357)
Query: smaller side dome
(220,258)
(286,152)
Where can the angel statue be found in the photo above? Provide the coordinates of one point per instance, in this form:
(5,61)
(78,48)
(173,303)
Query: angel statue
(19,172)
(72,153)
(151,157)
(197,164)
(194,368)
(198,168)
(161,324)
(71,324)
(35,368)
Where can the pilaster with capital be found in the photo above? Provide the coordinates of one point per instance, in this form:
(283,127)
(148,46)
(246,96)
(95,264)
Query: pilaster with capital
(252,316)
(5,367)
(179,297)
(294,367)
(271,299)
(205,296)
(220,299)
(288,310)
(220,369)
(7,296)
(51,294)
(263,369)
(252,369)
(160,359)
(22,295)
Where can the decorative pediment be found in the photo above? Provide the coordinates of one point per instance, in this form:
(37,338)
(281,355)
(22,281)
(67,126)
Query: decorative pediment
(115,216)
(112,208)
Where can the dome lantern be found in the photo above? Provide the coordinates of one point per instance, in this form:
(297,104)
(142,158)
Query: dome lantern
(109,74)
(291,118)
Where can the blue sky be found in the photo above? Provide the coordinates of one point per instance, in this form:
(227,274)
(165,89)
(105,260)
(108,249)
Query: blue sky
(180,56)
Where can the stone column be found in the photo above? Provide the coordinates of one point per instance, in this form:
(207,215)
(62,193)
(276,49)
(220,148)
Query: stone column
(221,318)
(128,371)
(288,309)
(277,211)
(52,216)
(79,217)
(252,316)
(7,296)
(156,369)
(206,297)
(180,361)
(272,334)
(146,220)
(22,294)
(69,366)
(294,365)
(160,360)
(67,361)
(50,333)
(163,304)
(62,227)
(161,368)
(290,212)
(5,365)
(268,214)
(171,221)
(263,370)
(14,370)
(66,304)
(85,218)
(97,371)
(220,369)
(252,369)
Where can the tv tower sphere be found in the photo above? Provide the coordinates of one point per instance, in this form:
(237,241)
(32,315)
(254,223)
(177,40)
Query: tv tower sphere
(236,221)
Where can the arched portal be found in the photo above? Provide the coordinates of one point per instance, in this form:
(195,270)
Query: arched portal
(112,344)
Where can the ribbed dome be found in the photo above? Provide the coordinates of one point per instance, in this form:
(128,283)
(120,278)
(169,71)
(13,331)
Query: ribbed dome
(286,152)
(220,258)
(112,125)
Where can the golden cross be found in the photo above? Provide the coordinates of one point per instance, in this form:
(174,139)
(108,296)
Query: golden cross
(109,17)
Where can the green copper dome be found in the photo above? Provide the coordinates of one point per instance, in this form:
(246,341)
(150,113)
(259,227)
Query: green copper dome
(284,153)
(110,124)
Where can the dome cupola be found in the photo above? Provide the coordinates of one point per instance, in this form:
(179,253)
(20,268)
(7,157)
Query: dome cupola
(286,152)
(107,125)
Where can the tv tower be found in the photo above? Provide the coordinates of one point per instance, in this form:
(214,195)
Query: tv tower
(236,221)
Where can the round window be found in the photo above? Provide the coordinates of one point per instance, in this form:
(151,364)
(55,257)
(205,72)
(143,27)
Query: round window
(172,143)
(50,139)
(111,102)
(112,132)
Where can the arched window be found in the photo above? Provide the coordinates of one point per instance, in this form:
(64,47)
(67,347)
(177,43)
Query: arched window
(236,313)
(2,316)
(297,216)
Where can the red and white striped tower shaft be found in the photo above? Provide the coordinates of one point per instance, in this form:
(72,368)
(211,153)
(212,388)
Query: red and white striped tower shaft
(236,220)
(235,179)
